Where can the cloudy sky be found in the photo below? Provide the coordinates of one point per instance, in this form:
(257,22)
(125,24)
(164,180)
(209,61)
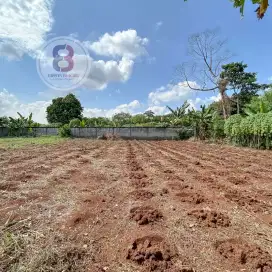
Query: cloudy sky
(134,47)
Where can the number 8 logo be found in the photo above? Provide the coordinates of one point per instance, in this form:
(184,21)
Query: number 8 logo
(58,58)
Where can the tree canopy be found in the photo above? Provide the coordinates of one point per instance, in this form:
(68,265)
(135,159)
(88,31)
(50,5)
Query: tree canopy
(64,109)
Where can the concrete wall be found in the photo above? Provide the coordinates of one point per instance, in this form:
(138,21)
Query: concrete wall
(127,133)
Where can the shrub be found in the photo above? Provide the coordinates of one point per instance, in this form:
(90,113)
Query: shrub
(254,130)
(184,134)
(74,123)
(65,131)
(218,127)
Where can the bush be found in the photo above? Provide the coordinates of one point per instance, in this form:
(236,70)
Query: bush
(74,123)
(65,131)
(218,127)
(253,131)
(184,134)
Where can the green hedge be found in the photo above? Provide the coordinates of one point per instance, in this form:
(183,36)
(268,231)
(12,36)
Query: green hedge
(253,131)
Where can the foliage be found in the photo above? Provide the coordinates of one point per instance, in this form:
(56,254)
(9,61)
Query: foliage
(22,126)
(201,122)
(243,84)
(254,130)
(184,134)
(74,123)
(149,113)
(178,114)
(64,109)
(217,128)
(263,5)
(65,131)
(121,118)
(260,11)
(261,104)
(4,121)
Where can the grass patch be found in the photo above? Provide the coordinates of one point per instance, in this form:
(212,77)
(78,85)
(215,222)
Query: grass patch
(18,142)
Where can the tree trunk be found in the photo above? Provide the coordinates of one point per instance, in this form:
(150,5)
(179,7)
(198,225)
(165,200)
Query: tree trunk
(222,86)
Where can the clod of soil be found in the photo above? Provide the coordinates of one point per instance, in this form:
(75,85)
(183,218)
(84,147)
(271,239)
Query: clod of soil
(164,191)
(9,186)
(145,215)
(152,252)
(141,195)
(191,197)
(237,180)
(168,171)
(239,253)
(137,175)
(211,218)
(244,200)
(177,186)
(138,183)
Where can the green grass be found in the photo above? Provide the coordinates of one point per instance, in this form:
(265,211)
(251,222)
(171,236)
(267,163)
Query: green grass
(18,142)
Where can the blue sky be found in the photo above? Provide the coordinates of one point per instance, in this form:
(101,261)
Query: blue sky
(143,40)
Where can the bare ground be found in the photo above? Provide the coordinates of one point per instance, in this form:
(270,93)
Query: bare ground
(85,205)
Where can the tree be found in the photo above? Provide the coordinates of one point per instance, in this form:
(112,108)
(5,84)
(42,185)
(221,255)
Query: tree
(139,119)
(4,121)
(208,54)
(121,118)
(149,113)
(262,6)
(243,84)
(64,109)
(261,104)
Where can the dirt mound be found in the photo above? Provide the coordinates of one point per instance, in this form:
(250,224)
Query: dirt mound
(239,253)
(191,197)
(177,186)
(139,183)
(137,175)
(211,218)
(141,195)
(246,201)
(108,136)
(9,186)
(153,253)
(145,215)
(134,166)
(237,180)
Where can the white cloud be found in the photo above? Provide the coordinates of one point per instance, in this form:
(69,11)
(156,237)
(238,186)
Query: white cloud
(128,108)
(172,93)
(23,26)
(270,78)
(125,43)
(158,110)
(10,105)
(103,72)
(9,51)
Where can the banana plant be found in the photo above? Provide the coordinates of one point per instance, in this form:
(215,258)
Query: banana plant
(179,113)
(262,108)
(201,120)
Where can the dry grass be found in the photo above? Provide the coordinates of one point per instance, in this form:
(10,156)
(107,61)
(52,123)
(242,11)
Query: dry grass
(23,249)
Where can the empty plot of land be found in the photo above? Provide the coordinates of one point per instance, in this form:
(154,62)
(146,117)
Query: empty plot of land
(90,205)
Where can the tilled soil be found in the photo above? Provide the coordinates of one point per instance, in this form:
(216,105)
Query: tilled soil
(86,205)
